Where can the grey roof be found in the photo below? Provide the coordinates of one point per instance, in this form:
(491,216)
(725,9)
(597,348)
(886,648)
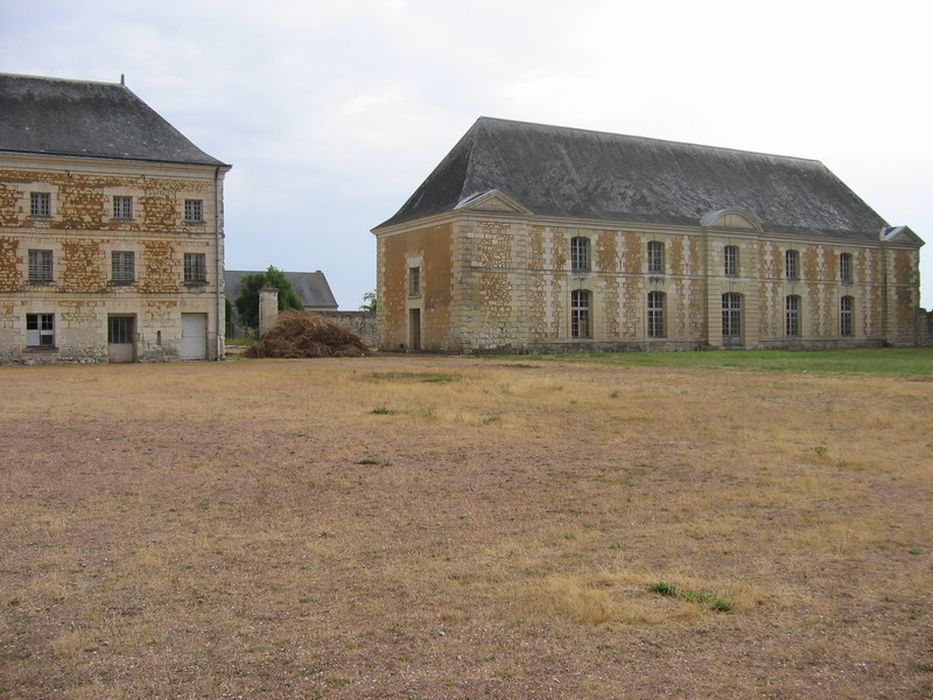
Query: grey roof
(311,287)
(580,174)
(80,118)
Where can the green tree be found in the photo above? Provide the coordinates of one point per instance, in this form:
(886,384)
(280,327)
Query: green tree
(247,303)
(369,302)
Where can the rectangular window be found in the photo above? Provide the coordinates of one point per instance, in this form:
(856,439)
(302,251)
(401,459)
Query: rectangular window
(656,315)
(655,258)
(123,266)
(119,330)
(194,210)
(195,268)
(792,316)
(40,266)
(580,314)
(122,207)
(731,261)
(414,281)
(40,204)
(580,254)
(845,267)
(40,330)
(845,316)
(792,264)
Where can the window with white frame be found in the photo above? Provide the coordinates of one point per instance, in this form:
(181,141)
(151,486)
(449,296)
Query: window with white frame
(40,330)
(792,264)
(40,266)
(122,207)
(195,268)
(580,303)
(40,205)
(846,305)
(655,257)
(194,210)
(731,261)
(656,315)
(792,316)
(580,254)
(414,281)
(845,267)
(123,266)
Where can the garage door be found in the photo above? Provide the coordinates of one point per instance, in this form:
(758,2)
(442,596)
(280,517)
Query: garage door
(193,337)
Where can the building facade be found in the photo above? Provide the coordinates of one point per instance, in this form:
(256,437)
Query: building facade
(111,229)
(536,237)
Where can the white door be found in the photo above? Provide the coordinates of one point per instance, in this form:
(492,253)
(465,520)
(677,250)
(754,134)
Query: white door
(193,337)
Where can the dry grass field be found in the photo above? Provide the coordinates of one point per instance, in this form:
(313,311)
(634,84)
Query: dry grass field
(464,528)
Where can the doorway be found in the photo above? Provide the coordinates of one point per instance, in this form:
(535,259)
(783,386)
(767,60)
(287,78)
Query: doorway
(193,337)
(121,336)
(414,329)
(731,320)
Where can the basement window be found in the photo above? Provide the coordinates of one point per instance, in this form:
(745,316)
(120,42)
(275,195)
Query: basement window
(40,330)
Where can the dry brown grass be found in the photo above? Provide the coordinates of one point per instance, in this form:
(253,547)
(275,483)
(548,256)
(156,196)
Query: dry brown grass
(254,529)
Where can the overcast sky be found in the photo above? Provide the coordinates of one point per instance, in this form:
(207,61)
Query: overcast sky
(333,113)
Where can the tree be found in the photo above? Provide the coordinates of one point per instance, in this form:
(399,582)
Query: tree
(247,303)
(369,302)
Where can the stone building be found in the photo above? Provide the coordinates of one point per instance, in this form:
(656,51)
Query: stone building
(529,236)
(111,229)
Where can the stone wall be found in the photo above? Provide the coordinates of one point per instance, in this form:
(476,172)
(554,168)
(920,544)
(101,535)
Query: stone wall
(363,323)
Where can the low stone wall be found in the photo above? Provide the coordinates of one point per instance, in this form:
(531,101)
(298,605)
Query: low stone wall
(363,323)
(925,328)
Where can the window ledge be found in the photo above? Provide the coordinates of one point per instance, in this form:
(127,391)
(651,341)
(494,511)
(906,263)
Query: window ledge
(195,222)
(195,283)
(115,220)
(41,217)
(41,283)
(121,283)
(41,348)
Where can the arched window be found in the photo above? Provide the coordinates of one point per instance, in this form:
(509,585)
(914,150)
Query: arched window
(731,261)
(656,315)
(580,304)
(845,267)
(792,264)
(655,258)
(580,254)
(792,315)
(846,305)
(731,319)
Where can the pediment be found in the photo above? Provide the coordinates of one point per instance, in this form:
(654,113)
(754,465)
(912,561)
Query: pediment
(900,234)
(492,200)
(730,218)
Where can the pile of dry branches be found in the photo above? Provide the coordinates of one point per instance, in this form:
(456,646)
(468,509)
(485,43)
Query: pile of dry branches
(306,334)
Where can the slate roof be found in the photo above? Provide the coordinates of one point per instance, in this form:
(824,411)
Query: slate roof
(311,287)
(575,173)
(80,118)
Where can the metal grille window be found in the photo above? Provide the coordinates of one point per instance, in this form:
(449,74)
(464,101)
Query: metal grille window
(580,254)
(40,265)
(845,267)
(123,266)
(40,330)
(580,314)
(845,316)
(792,315)
(194,210)
(120,329)
(195,267)
(792,264)
(656,315)
(40,204)
(731,261)
(731,317)
(122,207)
(414,281)
(655,257)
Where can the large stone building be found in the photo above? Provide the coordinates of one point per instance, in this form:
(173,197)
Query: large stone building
(529,236)
(111,229)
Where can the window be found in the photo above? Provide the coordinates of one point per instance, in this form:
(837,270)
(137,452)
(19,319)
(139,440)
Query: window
(122,266)
(731,318)
(119,330)
(414,281)
(731,261)
(195,268)
(122,207)
(792,315)
(40,204)
(194,210)
(792,264)
(40,266)
(580,314)
(656,315)
(580,254)
(845,316)
(40,330)
(655,258)
(845,267)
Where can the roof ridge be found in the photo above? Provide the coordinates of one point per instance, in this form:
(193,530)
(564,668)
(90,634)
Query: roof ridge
(61,80)
(648,138)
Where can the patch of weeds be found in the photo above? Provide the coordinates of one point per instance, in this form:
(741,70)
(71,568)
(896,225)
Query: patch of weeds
(821,450)
(338,682)
(490,419)
(428,412)
(914,551)
(615,545)
(719,605)
(427,377)
(662,588)
(370,460)
(569,536)
(722,606)
(384,411)
(614,395)
(694,597)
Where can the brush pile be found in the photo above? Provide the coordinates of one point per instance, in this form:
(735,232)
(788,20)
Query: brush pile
(306,334)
